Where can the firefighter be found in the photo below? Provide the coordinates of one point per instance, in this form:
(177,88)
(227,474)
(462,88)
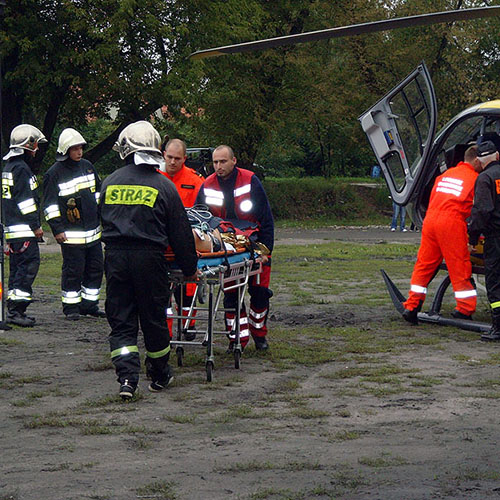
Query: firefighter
(485,219)
(188,183)
(141,214)
(21,202)
(444,235)
(71,193)
(237,195)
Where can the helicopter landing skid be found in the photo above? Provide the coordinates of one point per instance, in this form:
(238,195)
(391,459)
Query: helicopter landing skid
(434,316)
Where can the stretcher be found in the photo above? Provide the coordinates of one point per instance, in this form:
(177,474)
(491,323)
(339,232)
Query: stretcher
(219,273)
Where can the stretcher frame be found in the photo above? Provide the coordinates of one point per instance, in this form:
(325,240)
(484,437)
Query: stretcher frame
(212,284)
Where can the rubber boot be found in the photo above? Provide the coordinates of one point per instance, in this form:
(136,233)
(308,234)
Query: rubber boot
(412,316)
(494,334)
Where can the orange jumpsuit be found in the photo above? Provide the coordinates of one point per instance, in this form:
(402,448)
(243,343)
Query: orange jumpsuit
(188,183)
(444,235)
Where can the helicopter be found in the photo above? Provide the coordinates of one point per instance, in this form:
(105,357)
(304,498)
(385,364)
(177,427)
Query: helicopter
(401,128)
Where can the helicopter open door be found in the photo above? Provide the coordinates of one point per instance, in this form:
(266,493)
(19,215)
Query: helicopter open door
(401,128)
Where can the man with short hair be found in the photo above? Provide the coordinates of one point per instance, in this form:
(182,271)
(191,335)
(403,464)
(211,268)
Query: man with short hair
(237,195)
(188,183)
(485,219)
(21,203)
(71,193)
(444,235)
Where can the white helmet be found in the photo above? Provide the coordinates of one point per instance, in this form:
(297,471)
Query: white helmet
(69,137)
(138,136)
(26,137)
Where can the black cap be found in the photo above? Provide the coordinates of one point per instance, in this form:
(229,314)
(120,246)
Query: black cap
(486,148)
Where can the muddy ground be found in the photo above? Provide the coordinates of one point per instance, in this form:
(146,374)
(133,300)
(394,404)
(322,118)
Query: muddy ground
(413,415)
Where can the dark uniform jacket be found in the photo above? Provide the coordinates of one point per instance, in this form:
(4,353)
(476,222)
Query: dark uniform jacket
(20,200)
(71,193)
(140,206)
(485,214)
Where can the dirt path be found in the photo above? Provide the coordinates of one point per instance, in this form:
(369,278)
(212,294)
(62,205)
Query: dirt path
(372,409)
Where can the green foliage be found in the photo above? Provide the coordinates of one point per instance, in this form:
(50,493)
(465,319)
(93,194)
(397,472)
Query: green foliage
(313,197)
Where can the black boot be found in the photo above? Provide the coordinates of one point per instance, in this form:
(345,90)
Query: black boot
(412,316)
(494,334)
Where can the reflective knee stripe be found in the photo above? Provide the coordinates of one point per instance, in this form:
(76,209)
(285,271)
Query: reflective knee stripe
(91,294)
(243,327)
(123,351)
(158,354)
(51,212)
(418,289)
(19,295)
(71,297)
(258,325)
(495,305)
(463,294)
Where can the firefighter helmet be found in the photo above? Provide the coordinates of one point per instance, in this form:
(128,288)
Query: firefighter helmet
(69,137)
(26,137)
(138,136)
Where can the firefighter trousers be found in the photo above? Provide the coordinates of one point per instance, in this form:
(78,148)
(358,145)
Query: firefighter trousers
(81,277)
(24,262)
(492,271)
(137,292)
(443,237)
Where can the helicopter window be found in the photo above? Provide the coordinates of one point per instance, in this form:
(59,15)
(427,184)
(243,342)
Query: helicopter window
(394,165)
(410,106)
(465,132)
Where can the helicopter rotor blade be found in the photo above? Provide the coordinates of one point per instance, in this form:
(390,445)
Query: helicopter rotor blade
(354,29)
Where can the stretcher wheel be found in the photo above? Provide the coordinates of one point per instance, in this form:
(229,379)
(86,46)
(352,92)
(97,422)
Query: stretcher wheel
(237,357)
(209,367)
(180,353)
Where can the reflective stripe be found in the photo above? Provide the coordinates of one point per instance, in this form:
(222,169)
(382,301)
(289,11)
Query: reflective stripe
(71,297)
(18,231)
(213,193)
(257,325)
(448,191)
(52,211)
(158,354)
(33,183)
(258,315)
(242,190)
(457,182)
(77,184)
(418,289)
(90,293)
(82,237)
(123,351)
(27,206)
(494,305)
(214,201)
(8,178)
(465,293)
(97,196)
(19,295)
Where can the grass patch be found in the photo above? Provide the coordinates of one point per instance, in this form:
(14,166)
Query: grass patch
(385,460)
(160,490)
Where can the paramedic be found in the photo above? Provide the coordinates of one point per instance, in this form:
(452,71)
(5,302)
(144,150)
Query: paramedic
(444,235)
(71,193)
(188,183)
(21,203)
(141,215)
(237,195)
(485,219)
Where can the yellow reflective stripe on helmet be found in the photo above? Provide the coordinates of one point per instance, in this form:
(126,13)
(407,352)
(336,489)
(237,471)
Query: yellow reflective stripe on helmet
(123,351)
(494,305)
(130,195)
(158,354)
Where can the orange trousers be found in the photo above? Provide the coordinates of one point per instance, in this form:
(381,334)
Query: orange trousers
(443,236)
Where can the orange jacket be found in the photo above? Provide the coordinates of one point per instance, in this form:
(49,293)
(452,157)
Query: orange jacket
(453,192)
(188,183)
